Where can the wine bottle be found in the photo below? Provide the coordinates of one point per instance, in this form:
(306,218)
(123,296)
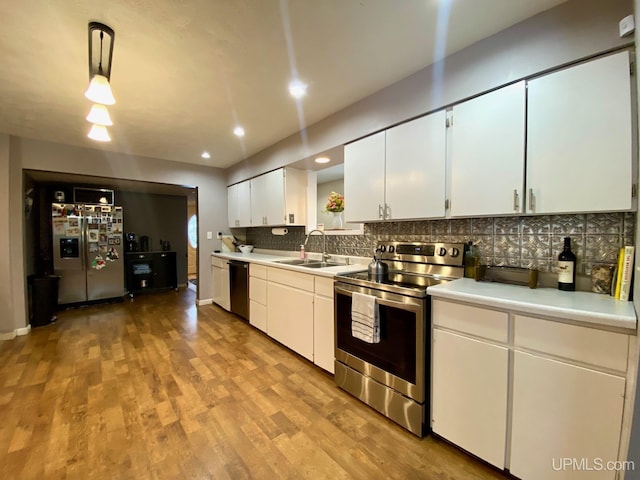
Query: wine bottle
(567,267)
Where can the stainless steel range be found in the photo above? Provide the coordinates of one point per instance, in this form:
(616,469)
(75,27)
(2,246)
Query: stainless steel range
(391,372)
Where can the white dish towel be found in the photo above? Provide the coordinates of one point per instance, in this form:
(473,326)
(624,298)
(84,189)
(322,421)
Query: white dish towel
(365,318)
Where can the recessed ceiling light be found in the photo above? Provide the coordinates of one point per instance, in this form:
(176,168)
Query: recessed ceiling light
(322,160)
(238,131)
(297,89)
(205,155)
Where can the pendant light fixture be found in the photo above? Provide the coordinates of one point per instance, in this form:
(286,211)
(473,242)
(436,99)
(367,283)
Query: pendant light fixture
(99,115)
(99,133)
(99,90)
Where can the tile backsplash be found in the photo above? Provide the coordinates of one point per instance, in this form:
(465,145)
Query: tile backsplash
(532,241)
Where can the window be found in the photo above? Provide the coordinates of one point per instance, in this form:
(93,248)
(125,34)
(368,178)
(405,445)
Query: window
(192,231)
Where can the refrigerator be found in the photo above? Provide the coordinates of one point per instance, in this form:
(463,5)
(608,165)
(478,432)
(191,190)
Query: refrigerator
(88,251)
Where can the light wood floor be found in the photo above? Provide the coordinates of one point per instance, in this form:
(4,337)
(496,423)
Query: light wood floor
(157,388)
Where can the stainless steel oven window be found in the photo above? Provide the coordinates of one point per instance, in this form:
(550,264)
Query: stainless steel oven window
(399,360)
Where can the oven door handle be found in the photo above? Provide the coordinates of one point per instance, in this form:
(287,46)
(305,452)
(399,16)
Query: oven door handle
(409,304)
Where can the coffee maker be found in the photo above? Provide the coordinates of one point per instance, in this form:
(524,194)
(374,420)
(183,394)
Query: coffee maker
(132,242)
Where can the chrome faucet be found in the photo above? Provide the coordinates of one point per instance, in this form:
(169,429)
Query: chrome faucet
(325,255)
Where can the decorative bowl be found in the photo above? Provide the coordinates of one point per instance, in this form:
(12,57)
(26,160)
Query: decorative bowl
(246,248)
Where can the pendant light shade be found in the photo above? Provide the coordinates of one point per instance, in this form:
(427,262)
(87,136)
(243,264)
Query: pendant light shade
(99,115)
(99,133)
(99,91)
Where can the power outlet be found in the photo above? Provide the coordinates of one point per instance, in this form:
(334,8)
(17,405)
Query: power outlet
(627,26)
(209,235)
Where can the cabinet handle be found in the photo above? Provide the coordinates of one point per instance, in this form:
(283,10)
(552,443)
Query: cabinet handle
(387,211)
(532,200)
(516,200)
(380,212)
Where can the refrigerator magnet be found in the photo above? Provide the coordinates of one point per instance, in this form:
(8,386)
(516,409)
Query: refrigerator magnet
(103,249)
(111,241)
(73,232)
(73,222)
(117,240)
(93,236)
(93,247)
(103,239)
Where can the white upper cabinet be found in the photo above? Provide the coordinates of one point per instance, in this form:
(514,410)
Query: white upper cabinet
(399,173)
(275,198)
(364,178)
(239,204)
(267,199)
(415,168)
(487,153)
(579,139)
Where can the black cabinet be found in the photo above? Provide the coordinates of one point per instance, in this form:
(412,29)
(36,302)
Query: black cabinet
(150,272)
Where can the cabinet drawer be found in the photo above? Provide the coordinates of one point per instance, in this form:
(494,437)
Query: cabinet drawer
(258,315)
(481,322)
(583,344)
(324,286)
(258,290)
(218,262)
(301,281)
(259,271)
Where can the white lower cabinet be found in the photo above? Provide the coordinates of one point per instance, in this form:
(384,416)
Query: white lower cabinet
(323,326)
(469,401)
(290,318)
(258,296)
(541,398)
(290,309)
(566,419)
(220,282)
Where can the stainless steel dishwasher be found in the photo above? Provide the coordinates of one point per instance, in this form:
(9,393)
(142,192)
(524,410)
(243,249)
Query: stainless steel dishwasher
(239,286)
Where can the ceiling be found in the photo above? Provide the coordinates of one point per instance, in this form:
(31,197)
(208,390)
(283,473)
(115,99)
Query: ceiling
(186,72)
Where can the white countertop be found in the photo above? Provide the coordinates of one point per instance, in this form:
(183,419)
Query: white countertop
(270,259)
(584,307)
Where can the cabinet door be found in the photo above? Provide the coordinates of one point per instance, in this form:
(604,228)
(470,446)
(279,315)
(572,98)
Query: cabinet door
(220,283)
(258,315)
(290,318)
(267,199)
(579,138)
(244,204)
(232,205)
(562,411)
(415,168)
(469,394)
(323,329)
(487,153)
(364,178)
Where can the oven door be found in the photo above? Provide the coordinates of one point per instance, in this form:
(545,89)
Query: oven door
(399,360)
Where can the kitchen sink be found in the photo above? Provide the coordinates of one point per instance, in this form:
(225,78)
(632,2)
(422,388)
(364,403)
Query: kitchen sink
(309,263)
(321,264)
(294,261)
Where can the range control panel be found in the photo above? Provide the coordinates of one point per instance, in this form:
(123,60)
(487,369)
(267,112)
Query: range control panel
(433,253)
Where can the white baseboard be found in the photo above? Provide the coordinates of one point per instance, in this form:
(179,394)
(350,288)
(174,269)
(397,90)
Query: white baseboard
(204,301)
(17,332)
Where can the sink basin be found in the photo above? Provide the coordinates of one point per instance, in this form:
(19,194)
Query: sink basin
(308,263)
(321,264)
(294,261)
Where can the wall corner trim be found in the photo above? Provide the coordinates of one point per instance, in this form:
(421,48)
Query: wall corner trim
(17,332)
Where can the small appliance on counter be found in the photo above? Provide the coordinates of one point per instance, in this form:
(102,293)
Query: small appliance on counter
(132,242)
(144,243)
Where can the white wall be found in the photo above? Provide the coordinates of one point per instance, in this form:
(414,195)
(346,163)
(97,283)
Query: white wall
(47,156)
(574,30)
